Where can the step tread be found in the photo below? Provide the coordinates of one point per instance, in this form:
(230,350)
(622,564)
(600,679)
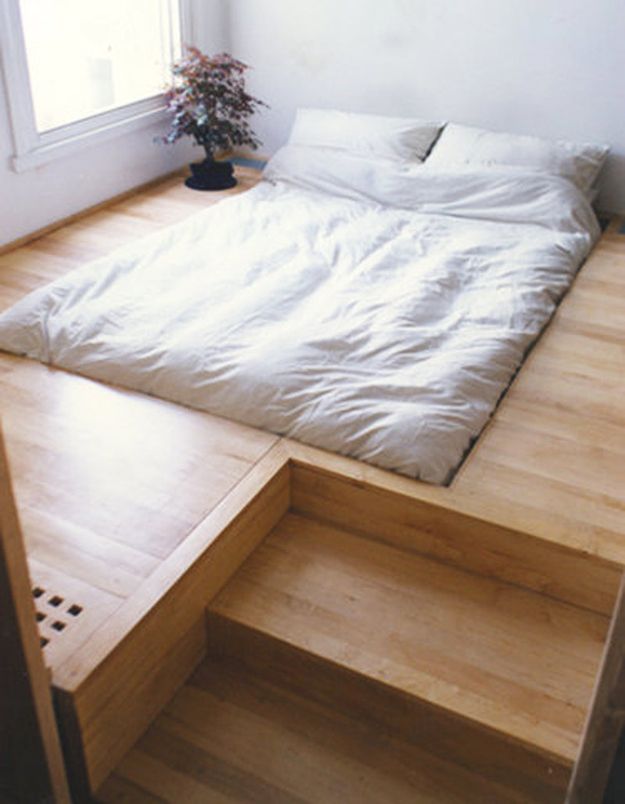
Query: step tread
(230,736)
(514,661)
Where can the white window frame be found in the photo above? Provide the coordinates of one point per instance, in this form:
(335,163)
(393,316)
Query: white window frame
(33,148)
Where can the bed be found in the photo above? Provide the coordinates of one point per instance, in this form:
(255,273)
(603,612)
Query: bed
(359,299)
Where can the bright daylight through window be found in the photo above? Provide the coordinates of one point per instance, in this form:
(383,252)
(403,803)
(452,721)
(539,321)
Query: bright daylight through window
(89,56)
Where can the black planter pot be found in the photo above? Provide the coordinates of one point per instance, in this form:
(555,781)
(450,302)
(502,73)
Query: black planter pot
(211,175)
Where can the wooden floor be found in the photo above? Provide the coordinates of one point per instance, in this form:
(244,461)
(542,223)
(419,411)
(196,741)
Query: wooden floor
(552,461)
(513,660)
(108,482)
(86,459)
(232,736)
(342,669)
(112,485)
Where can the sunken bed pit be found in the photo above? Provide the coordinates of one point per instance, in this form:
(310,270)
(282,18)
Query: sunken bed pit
(137,512)
(372,305)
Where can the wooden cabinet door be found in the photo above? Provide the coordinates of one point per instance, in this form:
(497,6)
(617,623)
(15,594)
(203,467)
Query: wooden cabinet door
(606,717)
(31,762)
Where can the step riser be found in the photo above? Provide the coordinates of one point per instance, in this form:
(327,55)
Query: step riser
(472,544)
(494,756)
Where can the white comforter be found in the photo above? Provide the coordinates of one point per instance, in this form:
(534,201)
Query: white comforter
(372,310)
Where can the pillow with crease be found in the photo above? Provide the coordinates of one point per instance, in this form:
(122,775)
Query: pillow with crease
(466,146)
(395,138)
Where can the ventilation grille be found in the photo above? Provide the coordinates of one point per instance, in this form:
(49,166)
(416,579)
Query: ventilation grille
(55,614)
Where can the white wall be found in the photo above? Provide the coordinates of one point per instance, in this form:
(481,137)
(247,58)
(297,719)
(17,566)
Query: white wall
(554,68)
(35,198)
(548,67)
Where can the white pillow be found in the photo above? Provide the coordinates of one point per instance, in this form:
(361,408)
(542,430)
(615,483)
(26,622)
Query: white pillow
(396,138)
(464,145)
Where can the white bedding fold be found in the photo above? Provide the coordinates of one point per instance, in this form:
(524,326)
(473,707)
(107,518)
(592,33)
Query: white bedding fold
(319,310)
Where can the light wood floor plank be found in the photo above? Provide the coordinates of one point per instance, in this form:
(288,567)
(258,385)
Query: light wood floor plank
(513,660)
(229,736)
(109,483)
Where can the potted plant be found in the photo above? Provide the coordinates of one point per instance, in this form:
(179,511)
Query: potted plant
(208,101)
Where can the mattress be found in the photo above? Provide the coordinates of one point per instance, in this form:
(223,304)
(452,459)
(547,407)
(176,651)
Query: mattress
(371,309)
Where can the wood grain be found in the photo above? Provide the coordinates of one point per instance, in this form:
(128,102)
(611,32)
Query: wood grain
(106,503)
(390,712)
(606,717)
(110,483)
(506,659)
(126,199)
(121,677)
(31,764)
(231,736)
(554,450)
(79,607)
(400,514)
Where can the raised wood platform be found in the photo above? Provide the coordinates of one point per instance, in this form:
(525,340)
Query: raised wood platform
(509,661)
(121,495)
(455,669)
(234,736)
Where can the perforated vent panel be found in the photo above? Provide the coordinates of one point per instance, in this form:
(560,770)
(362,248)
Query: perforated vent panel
(55,614)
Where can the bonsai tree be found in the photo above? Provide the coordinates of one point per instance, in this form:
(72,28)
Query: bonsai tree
(208,101)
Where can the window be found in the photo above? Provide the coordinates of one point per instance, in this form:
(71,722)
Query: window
(80,71)
(86,57)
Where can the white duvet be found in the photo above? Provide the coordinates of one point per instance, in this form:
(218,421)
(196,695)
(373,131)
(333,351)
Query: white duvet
(366,308)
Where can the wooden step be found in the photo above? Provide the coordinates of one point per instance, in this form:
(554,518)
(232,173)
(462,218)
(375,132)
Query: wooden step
(497,676)
(443,660)
(233,736)
(462,532)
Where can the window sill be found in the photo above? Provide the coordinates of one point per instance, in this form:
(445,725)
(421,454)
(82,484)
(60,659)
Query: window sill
(68,140)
